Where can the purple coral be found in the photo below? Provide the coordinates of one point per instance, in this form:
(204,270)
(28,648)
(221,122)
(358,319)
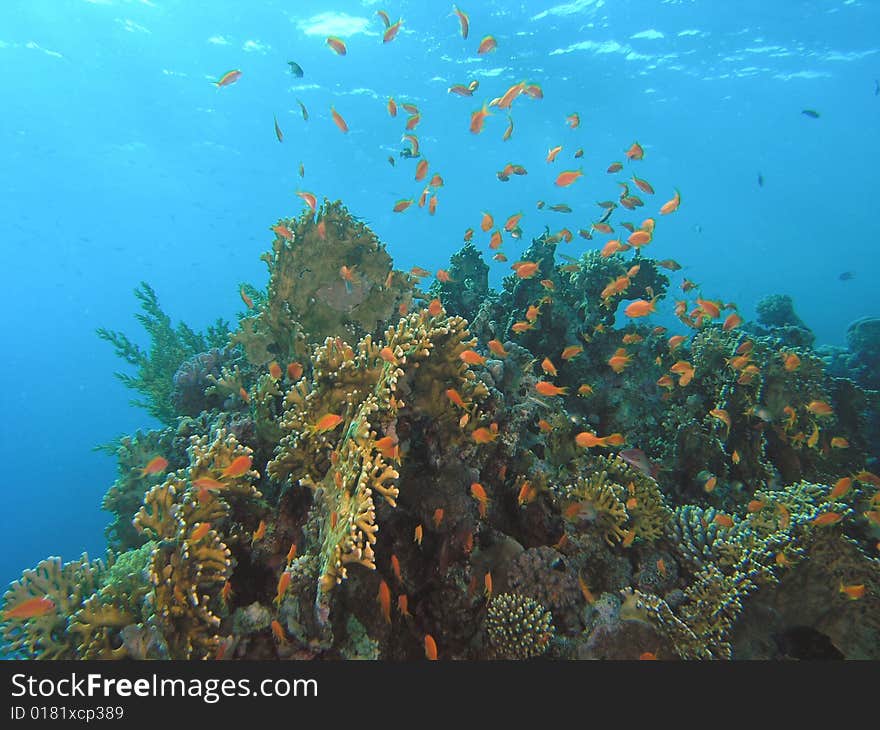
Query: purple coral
(191,380)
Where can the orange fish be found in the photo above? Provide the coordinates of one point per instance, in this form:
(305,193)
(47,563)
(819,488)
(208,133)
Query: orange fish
(275,370)
(553,152)
(391,32)
(723,520)
(206,483)
(421,169)
(463,20)
(395,568)
(587,593)
(487,583)
(755,505)
(248,302)
(438,517)
(259,533)
(520,327)
(784,516)
(548,367)
(571,352)
(588,440)
(639,308)
(511,222)
(283,584)
(614,167)
(294,370)
(639,238)
(240,464)
(337,44)
(635,152)
(790,361)
(839,442)
(472,358)
(485,435)
(328,422)
(309,199)
(278,632)
(566,178)
(632,339)
(430,648)
(417,534)
(573,120)
(619,360)
(156,465)
(31,608)
(455,397)
(496,348)
(733,320)
(709,486)
(392,107)
(338,120)
(867,477)
(853,592)
(435,308)
(670,206)
(841,487)
(509,130)
(291,554)
(384,598)
(486,222)
(487,44)
(710,308)
(526,269)
(819,408)
(479,494)
(643,185)
(548,389)
(403,604)
(478,118)
(230,77)
(402,204)
(495,240)
(203,529)
(827,518)
(527,494)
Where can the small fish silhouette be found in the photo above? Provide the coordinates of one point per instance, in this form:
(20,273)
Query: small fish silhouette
(812,113)
(760,180)
(295,69)
(847,276)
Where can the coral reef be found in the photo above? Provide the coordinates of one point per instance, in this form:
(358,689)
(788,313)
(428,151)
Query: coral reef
(522,473)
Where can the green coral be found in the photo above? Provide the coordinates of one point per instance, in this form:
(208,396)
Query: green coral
(169,347)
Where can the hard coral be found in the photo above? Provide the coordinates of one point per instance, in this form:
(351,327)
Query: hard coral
(518,627)
(309,299)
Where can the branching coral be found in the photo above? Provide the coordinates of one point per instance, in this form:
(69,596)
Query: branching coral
(733,560)
(367,390)
(127,493)
(169,348)
(620,502)
(67,586)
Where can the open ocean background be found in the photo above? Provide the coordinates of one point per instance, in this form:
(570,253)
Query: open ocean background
(120,162)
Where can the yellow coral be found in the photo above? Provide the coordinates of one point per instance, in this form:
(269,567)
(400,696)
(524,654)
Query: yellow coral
(67,586)
(368,389)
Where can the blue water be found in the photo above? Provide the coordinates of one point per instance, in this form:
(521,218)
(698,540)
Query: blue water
(122,163)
